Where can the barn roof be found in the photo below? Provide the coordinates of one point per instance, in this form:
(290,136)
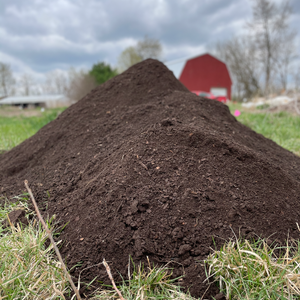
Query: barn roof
(177,65)
(203,56)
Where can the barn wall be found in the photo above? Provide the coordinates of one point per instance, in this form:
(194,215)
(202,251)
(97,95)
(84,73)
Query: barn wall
(204,72)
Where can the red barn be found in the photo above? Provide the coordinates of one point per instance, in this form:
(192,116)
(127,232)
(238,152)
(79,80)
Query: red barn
(208,74)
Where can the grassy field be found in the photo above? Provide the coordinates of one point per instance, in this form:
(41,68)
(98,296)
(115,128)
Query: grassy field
(282,128)
(18,125)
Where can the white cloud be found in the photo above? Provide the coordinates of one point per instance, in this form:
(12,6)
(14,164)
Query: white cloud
(41,35)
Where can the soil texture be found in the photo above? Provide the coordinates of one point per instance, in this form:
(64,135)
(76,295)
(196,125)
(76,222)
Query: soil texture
(142,167)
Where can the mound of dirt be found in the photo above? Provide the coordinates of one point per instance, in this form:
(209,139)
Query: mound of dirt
(143,167)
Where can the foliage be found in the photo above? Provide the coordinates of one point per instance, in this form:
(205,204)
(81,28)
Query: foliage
(102,72)
(252,270)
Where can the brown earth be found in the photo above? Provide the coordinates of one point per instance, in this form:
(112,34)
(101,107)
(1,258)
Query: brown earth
(143,167)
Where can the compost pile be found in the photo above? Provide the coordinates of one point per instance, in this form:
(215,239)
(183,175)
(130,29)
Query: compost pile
(142,167)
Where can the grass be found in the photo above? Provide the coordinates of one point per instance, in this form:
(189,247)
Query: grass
(283,128)
(252,270)
(28,269)
(16,129)
(146,284)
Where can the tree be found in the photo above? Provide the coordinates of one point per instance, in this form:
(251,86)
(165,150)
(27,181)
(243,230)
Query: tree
(240,55)
(286,54)
(80,83)
(259,61)
(56,82)
(27,82)
(102,72)
(146,48)
(128,58)
(7,80)
(149,48)
(270,29)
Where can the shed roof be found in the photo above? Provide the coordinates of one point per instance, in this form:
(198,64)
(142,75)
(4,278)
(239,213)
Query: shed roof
(32,99)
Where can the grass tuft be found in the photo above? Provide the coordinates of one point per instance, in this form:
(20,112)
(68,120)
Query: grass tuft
(146,283)
(247,270)
(27,267)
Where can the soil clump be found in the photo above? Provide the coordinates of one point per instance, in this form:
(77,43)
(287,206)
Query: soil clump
(142,167)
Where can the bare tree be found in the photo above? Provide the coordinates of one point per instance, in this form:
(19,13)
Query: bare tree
(270,29)
(56,82)
(286,54)
(149,48)
(7,80)
(296,79)
(80,83)
(27,82)
(146,48)
(240,55)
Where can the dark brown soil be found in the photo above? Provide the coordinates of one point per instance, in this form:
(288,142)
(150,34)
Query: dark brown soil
(143,167)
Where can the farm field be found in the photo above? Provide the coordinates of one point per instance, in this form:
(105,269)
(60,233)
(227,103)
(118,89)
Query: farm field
(18,125)
(281,127)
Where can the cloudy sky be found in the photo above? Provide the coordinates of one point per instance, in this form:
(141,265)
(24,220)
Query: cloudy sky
(38,36)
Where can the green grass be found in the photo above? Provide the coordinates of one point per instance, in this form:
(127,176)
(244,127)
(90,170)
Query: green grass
(28,269)
(252,270)
(146,283)
(282,128)
(16,129)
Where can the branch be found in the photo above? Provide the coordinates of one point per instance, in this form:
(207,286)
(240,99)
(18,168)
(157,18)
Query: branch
(52,241)
(111,279)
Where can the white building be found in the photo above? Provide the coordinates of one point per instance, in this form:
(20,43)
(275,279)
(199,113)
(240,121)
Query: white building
(48,101)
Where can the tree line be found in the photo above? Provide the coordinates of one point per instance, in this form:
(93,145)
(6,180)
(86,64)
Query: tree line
(76,83)
(261,60)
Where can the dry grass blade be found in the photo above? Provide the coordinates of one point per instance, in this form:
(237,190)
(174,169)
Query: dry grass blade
(27,268)
(52,240)
(252,270)
(111,279)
